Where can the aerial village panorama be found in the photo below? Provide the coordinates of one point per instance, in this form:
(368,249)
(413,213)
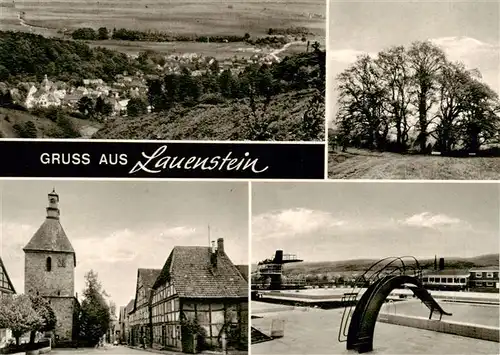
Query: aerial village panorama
(204,70)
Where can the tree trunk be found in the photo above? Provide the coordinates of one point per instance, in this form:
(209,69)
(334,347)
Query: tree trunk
(32,337)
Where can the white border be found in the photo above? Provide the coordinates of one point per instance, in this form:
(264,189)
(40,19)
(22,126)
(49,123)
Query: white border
(249,228)
(327,92)
(138,141)
(248,180)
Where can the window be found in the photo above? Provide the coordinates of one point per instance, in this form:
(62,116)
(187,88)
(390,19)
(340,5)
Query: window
(490,284)
(462,280)
(455,280)
(443,280)
(450,280)
(489,275)
(431,279)
(48,264)
(479,274)
(425,279)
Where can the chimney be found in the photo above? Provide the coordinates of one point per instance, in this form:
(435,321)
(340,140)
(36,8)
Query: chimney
(220,245)
(441,264)
(213,255)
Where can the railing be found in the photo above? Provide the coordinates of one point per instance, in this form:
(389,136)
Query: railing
(270,269)
(384,267)
(287,257)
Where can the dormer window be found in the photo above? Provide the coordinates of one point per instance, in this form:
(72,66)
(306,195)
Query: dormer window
(48,264)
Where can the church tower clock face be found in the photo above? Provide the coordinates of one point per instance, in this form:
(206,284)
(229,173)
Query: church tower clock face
(61,261)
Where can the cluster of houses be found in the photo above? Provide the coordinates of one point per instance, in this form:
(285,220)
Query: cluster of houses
(200,64)
(60,94)
(196,284)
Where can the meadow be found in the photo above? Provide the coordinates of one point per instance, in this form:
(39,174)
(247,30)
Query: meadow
(364,164)
(219,51)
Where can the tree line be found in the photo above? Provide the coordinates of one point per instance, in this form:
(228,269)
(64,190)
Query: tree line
(124,34)
(414,98)
(26,56)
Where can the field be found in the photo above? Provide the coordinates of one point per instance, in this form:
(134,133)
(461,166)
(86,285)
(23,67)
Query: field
(199,17)
(219,51)
(204,17)
(361,164)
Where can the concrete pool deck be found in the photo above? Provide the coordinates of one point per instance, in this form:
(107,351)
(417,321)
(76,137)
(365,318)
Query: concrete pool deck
(315,331)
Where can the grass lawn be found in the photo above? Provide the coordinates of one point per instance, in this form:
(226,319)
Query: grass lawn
(362,164)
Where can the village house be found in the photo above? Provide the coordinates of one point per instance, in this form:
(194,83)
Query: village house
(87,82)
(48,94)
(124,320)
(140,325)
(202,284)
(484,279)
(6,288)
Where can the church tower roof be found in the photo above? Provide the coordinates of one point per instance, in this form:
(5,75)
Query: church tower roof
(51,236)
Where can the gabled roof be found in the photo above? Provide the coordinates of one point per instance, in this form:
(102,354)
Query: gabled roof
(50,237)
(191,272)
(2,268)
(148,278)
(243,269)
(130,306)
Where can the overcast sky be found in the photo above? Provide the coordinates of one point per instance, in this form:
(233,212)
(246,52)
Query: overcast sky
(118,227)
(331,221)
(468,31)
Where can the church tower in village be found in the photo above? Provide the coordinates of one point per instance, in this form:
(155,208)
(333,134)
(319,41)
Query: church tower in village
(49,270)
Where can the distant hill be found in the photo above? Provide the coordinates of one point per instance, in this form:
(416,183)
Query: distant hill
(226,120)
(356,265)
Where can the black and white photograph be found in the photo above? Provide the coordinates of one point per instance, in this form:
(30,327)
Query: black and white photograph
(163,70)
(383,268)
(124,267)
(413,90)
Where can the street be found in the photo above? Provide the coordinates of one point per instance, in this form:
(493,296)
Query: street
(122,350)
(108,350)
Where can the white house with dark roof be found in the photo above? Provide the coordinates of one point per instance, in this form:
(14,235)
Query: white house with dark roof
(202,284)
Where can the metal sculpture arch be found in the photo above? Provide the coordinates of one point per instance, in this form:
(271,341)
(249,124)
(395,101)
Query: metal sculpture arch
(380,279)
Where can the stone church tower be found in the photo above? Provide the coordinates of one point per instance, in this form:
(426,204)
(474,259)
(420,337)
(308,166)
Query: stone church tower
(49,270)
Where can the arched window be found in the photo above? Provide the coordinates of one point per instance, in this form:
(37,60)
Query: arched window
(49,264)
